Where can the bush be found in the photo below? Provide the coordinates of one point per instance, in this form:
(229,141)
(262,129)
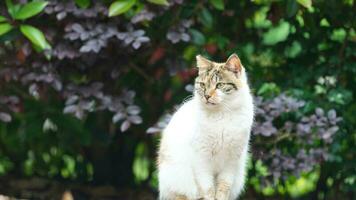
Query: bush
(82,82)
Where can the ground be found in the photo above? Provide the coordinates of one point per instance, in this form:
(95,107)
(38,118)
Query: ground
(37,188)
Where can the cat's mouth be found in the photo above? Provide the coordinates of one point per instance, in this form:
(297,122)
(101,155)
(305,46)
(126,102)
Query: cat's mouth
(211,103)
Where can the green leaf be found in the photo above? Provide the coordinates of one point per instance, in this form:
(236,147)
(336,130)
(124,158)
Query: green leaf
(141,163)
(9,4)
(83,3)
(190,52)
(340,96)
(159,2)
(2,19)
(324,23)
(206,18)
(292,8)
(222,42)
(305,3)
(198,37)
(268,90)
(277,34)
(120,7)
(218,4)
(4,28)
(11,8)
(293,50)
(338,35)
(30,9)
(35,36)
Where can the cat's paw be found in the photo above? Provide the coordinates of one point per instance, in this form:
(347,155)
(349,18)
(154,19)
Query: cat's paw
(223,191)
(222,196)
(209,195)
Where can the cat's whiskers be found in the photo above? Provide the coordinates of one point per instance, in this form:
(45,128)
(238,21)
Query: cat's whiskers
(188,98)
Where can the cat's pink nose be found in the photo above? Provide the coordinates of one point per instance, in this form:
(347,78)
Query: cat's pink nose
(207,96)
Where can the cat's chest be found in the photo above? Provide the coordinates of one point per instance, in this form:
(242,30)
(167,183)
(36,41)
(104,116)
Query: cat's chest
(216,139)
(218,125)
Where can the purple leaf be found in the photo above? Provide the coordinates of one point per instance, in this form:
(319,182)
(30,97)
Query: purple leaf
(70,109)
(117,117)
(153,130)
(125,125)
(319,112)
(5,117)
(332,114)
(135,119)
(72,99)
(133,110)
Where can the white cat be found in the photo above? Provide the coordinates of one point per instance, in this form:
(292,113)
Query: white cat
(203,150)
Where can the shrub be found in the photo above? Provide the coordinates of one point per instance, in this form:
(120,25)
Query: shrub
(82,81)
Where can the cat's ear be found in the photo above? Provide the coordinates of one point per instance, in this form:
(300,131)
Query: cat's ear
(233,63)
(203,63)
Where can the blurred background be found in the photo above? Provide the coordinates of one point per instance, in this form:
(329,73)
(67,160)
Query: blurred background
(87,86)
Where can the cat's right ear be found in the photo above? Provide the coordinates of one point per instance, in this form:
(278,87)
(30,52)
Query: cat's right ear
(203,63)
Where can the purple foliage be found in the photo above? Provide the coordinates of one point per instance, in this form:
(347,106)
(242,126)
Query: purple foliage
(143,15)
(8,104)
(76,48)
(303,132)
(179,32)
(62,9)
(301,155)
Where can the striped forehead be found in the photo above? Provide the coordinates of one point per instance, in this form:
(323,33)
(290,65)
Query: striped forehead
(212,75)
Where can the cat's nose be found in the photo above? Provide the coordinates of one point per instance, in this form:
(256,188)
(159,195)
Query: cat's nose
(207,96)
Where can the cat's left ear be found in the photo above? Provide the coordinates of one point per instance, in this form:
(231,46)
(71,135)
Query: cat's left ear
(233,63)
(203,63)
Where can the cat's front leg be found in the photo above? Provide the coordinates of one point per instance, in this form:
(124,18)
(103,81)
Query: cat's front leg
(223,185)
(206,187)
(223,190)
(205,182)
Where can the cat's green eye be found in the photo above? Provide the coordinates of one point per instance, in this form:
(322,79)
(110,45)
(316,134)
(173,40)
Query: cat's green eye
(226,87)
(202,85)
(219,85)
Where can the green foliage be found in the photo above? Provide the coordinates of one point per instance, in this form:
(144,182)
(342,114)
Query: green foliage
(206,18)
(4,28)
(23,12)
(35,36)
(268,90)
(141,163)
(277,34)
(198,37)
(83,3)
(305,3)
(218,4)
(29,10)
(2,19)
(159,2)
(301,48)
(120,7)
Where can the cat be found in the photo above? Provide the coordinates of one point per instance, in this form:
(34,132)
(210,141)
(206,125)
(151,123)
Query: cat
(204,149)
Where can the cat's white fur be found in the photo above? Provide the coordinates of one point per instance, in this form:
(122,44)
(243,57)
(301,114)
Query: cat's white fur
(204,145)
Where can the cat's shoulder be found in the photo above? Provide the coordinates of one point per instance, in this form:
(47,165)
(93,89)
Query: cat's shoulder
(184,114)
(186,107)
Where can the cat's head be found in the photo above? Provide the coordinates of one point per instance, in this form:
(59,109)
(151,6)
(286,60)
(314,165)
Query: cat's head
(218,83)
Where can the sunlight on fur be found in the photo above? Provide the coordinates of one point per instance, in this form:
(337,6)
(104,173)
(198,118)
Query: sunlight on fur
(203,150)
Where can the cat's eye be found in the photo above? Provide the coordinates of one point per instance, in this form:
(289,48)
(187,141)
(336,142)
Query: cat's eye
(226,87)
(219,85)
(202,85)
(229,87)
